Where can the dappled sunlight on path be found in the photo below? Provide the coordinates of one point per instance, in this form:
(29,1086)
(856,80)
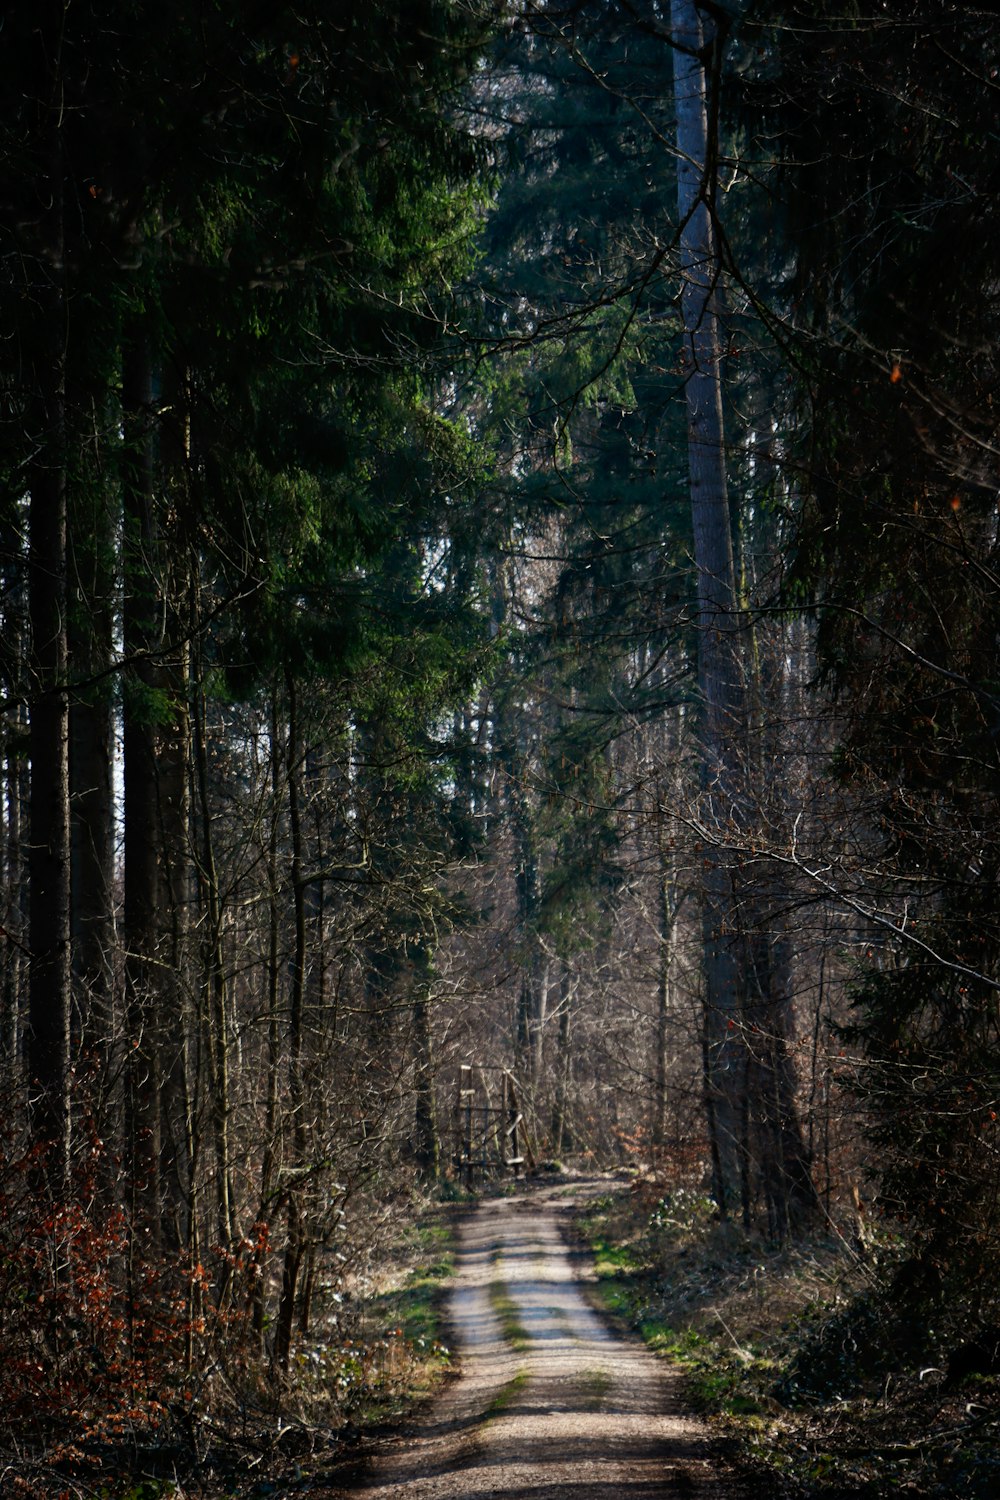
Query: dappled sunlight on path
(560,1408)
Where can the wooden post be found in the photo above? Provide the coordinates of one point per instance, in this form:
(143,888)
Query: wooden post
(502,1133)
(514,1118)
(465,1094)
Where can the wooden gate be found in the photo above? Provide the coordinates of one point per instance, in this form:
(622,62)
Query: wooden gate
(488,1130)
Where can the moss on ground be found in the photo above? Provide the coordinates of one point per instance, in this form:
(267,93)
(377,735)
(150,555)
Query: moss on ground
(393,1348)
(506,1396)
(791,1353)
(511,1326)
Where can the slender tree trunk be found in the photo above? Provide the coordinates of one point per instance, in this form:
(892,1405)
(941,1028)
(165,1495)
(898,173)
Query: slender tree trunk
(427,1146)
(667,918)
(93,547)
(269,1160)
(295,1242)
(13,655)
(49,848)
(216,1009)
(528,1025)
(539,1018)
(49,996)
(156,808)
(562,1140)
(180,613)
(14,923)
(718,639)
(142,891)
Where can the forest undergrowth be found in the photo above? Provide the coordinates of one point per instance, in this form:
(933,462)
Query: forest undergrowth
(172,1392)
(795,1356)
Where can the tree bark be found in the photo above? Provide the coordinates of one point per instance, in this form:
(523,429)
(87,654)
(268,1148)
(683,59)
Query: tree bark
(295,1242)
(562,1139)
(92,564)
(49,851)
(667,919)
(142,891)
(215,1018)
(531,998)
(181,602)
(13,657)
(778,1145)
(49,991)
(717,619)
(427,1146)
(269,1163)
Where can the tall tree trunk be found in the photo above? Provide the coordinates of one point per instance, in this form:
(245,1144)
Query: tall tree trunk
(49,996)
(181,600)
(778,1144)
(13,660)
(718,626)
(427,1149)
(531,999)
(142,891)
(295,1242)
(784,1162)
(269,1163)
(49,846)
(561,1136)
(91,623)
(215,1020)
(15,915)
(667,921)
(539,1017)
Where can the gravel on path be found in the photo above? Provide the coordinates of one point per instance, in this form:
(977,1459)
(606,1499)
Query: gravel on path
(566,1411)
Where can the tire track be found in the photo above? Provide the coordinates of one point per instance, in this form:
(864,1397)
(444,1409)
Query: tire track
(571,1413)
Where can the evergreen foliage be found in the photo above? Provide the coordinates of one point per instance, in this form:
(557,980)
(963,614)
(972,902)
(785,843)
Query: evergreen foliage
(890,203)
(356,718)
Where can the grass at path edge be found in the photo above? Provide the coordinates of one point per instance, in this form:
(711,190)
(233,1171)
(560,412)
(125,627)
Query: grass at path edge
(743,1321)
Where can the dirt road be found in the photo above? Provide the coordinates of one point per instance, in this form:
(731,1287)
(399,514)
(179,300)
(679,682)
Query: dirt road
(559,1409)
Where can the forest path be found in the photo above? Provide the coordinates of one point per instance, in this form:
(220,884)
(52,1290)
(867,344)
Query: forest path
(558,1409)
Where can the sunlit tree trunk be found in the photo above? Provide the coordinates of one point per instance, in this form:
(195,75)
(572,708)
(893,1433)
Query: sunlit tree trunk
(666,893)
(561,1133)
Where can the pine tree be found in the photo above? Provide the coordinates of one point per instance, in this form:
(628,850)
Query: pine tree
(891,206)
